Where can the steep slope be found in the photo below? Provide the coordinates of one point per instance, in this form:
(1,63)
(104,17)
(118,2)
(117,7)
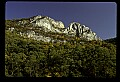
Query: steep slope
(44,28)
(111,40)
(26,57)
(34,49)
(81,31)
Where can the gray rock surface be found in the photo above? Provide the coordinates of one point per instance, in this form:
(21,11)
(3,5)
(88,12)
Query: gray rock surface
(50,25)
(76,29)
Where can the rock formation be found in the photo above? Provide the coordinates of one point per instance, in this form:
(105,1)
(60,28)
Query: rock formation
(48,24)
(76,29)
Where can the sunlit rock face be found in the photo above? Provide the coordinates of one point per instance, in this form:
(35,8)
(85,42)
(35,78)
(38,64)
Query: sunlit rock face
(11,29)
(81,31)
(48,24)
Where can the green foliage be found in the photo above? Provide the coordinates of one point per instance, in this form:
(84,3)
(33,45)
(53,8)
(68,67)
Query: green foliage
(111,40)
(30,58)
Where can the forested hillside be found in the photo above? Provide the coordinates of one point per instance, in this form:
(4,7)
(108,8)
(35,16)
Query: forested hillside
(25,57)
(111,40)
(42,47)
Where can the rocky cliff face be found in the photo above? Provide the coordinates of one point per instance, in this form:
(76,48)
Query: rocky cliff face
(76,29)
(48,24)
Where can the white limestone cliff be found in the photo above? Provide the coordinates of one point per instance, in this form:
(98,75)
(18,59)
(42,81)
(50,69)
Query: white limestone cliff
(49,24)
(81,31)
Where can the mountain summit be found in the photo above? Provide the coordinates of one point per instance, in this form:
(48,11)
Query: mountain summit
(39,46)
(43,28)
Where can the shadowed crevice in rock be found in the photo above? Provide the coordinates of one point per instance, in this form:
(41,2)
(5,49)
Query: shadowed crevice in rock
(47,24)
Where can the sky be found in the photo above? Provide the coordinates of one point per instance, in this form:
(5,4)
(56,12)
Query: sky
(101,17)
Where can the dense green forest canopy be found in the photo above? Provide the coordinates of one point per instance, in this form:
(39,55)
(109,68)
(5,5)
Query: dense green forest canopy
(111,40)
(25,57)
